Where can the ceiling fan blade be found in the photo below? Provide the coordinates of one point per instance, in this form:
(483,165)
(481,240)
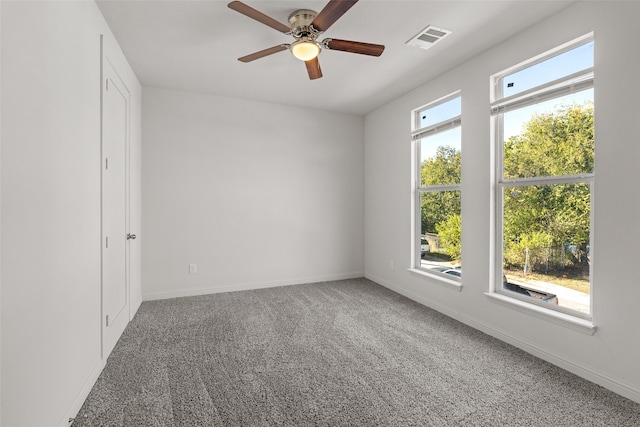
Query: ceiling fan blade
(331,13)
(242,8)
(313,68)
(263,53)
(354,47)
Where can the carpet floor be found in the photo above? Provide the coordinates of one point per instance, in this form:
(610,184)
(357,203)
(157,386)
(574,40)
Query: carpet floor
(343,353)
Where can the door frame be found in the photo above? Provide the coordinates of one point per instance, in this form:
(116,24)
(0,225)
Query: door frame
(107,52)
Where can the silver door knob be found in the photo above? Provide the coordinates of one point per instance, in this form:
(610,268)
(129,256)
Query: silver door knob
(131,236)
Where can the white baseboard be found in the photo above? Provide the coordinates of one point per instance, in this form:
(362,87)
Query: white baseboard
(82,395)
(599,378)
(249,286)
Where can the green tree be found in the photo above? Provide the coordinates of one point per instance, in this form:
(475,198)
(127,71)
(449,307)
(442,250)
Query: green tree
(441,169)
(449,234)
(560,142)
(537,217)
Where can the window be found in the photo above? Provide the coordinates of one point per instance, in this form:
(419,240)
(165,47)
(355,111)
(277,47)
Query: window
(543,113)
(437,230)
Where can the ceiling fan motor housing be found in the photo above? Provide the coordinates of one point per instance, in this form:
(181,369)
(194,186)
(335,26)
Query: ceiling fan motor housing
(300,23)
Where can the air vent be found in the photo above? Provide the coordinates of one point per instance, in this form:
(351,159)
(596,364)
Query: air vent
(427,37)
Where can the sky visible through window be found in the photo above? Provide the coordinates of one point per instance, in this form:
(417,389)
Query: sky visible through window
(515,120)
(562,65)
(433,115)
(574,60)
(439,113)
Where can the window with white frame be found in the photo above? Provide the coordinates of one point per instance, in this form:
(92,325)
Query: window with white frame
(543,114)
(437,149)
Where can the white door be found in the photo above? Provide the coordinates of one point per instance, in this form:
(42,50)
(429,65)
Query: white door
(115,121)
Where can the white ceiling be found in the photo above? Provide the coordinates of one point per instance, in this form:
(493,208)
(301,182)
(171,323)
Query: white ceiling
(194,46)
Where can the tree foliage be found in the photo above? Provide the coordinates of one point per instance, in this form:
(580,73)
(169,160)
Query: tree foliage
(441,169)
(449,234)
(536,217)
(539,217)
(555,143)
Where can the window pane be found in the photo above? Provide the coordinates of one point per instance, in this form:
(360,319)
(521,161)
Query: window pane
(439,113)
(440,228)
(440,158)
(553,138)
(546,243)
(561,65)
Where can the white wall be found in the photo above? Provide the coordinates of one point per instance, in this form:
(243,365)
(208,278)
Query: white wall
(255,194)
(609,357)
(1,404)
(51,208)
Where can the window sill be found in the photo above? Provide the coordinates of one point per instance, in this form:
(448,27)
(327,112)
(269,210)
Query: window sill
(449,283)
(581,325)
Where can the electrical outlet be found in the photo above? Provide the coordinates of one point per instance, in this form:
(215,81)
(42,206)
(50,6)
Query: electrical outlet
(391,265)
(193,268)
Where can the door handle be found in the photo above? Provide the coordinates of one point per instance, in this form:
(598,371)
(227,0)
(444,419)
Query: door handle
(131,236)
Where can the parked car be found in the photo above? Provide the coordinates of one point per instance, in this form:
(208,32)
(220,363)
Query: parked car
(525,290)
(454,272)
(519,289)
(424,246)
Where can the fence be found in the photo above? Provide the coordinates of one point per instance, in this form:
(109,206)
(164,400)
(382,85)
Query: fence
(544,259)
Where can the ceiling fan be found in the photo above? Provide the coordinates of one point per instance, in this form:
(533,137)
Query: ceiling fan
(305,26)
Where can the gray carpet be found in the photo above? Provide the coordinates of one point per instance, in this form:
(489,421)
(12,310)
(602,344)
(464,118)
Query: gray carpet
(344,353)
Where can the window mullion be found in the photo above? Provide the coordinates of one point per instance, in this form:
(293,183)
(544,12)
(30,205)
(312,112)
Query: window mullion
(547,180)
(438,188)
(437,128)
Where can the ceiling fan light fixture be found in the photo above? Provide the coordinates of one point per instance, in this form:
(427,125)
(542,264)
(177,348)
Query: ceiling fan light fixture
(305,50)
